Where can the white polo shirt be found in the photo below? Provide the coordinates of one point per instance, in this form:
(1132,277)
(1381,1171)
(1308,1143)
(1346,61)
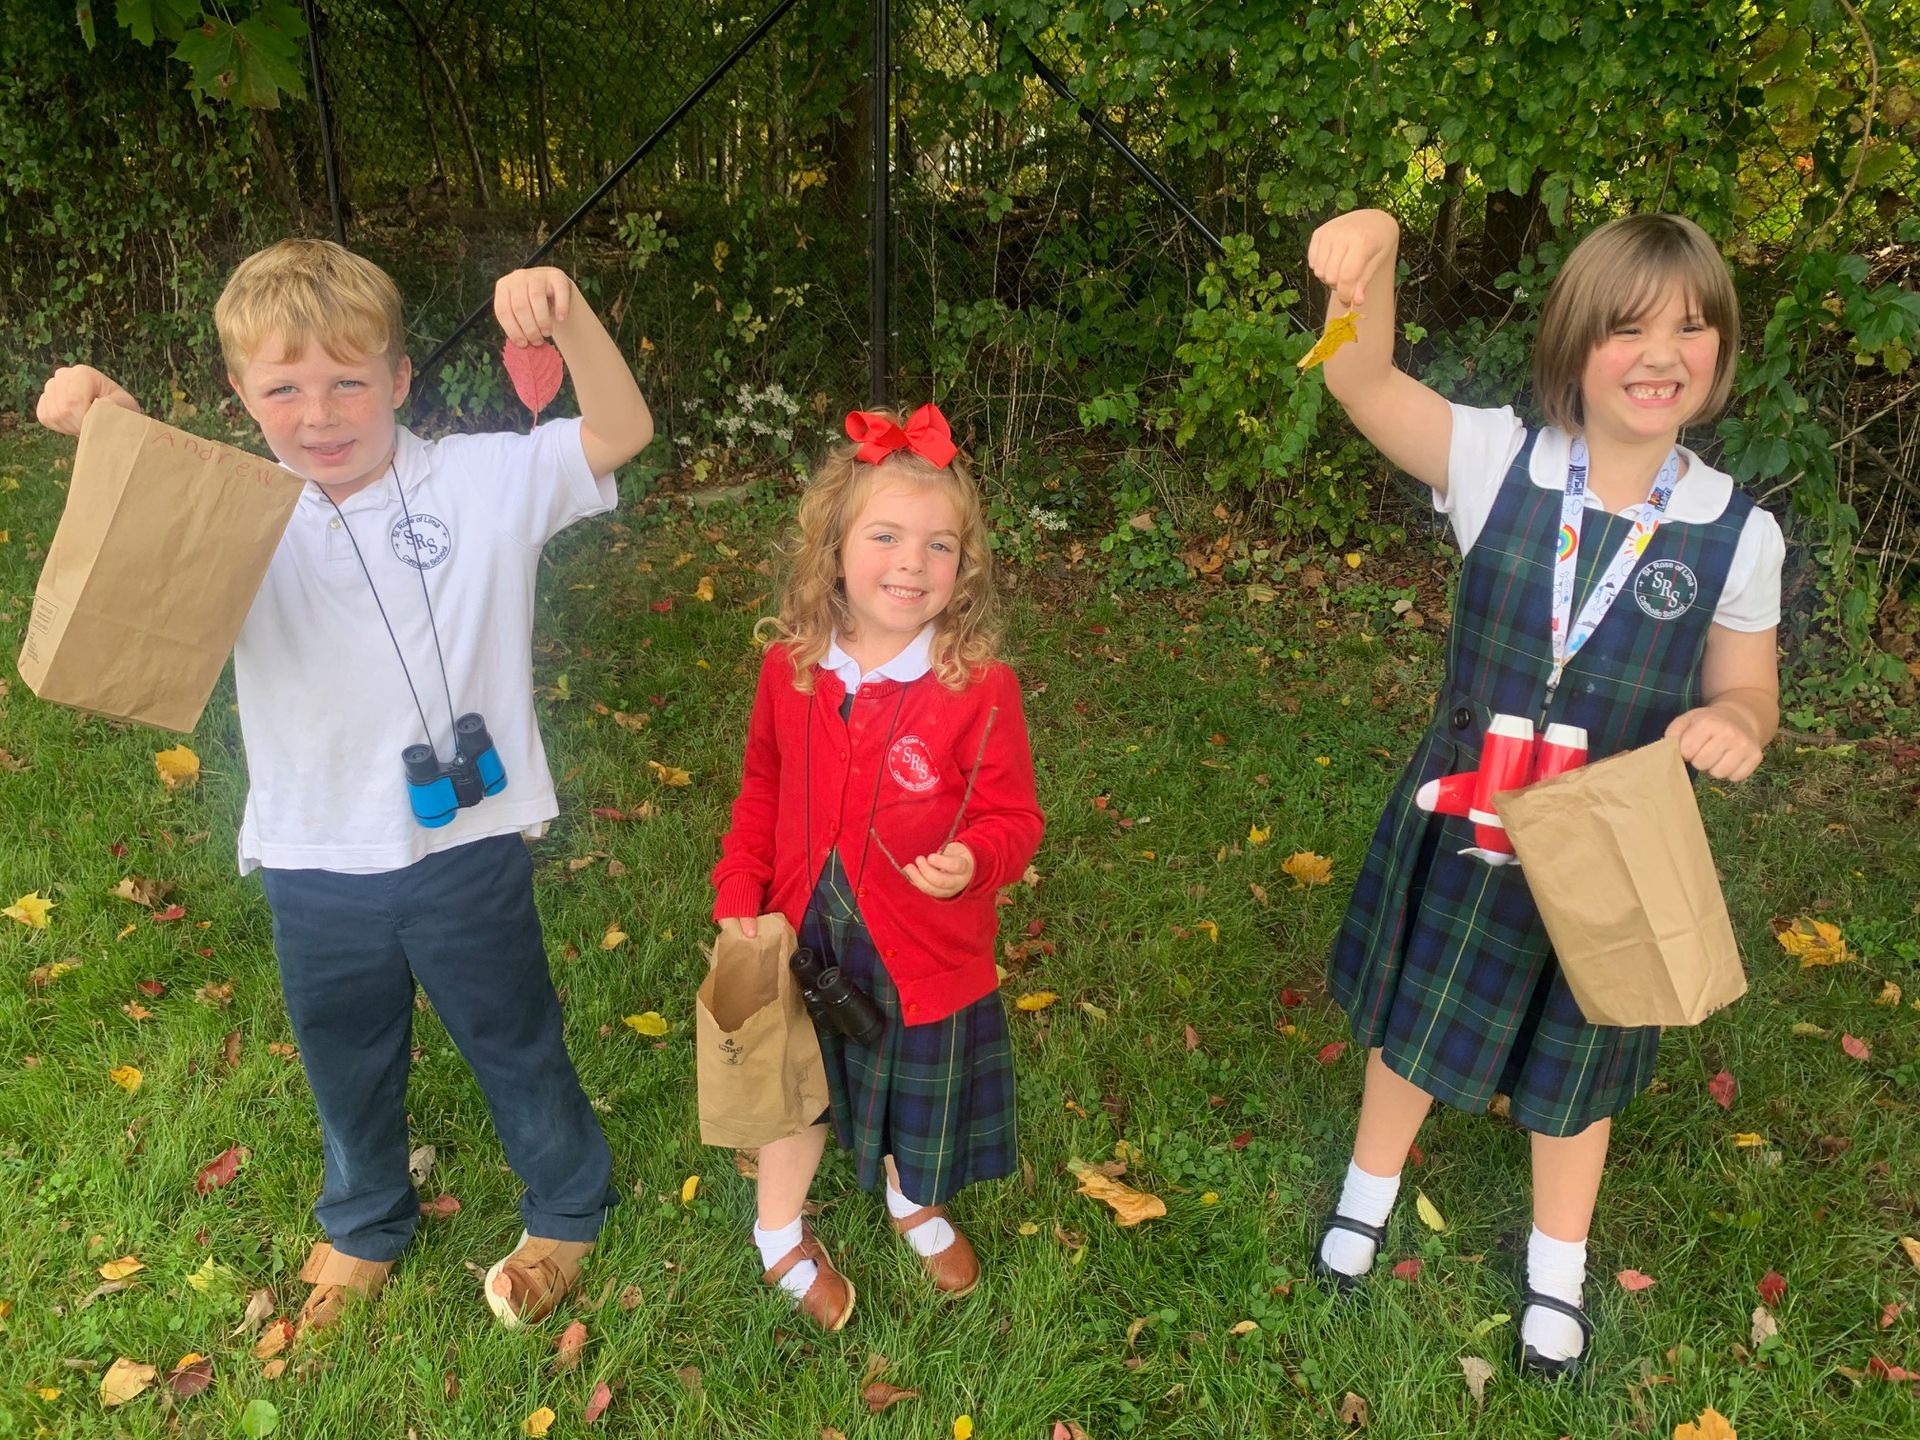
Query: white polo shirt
(1485,442)
(324,705)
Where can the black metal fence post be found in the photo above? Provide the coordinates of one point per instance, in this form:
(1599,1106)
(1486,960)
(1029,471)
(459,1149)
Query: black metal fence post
(880,208)
(335,205)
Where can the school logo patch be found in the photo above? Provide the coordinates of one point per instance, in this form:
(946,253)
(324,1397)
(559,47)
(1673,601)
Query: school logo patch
(911,765)
(423,544)
(1665,590)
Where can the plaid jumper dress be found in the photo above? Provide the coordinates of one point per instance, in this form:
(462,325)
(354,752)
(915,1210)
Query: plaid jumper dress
(1442,961)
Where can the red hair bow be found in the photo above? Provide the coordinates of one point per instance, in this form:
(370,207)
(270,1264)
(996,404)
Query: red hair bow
(927,435)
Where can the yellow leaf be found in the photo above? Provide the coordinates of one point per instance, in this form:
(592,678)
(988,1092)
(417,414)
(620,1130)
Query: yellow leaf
(649,1023)
(613,939)
(1258,836)
(1353,559)
(1209,929)
(1212,1197)
(125,931)
(1027,1227)
(1429,1215)
(1807,1030)
(127,1077)
(704,590)
(1308,869)
(669,774)
(1815,942)
(179,768)
(1889,996)
(124,1380)
(689,1188)
(30,910)
(1711,1425)
(1912,1247)
(963,1427)
(1748,1139)
(48,1393)
(120,1269)
(1036,1000)
(1244,1327)
(1339,332)
(1130,1206)
(538,1423)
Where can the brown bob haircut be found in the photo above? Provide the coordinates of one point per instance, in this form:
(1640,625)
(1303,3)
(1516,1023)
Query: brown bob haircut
(1616,275)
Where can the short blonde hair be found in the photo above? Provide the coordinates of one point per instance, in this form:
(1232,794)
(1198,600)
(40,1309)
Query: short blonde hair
(813,600)
(1618,274)
(310,291)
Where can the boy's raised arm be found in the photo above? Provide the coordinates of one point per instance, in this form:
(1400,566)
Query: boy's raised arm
(1354,256)
(72,391)
(536,305)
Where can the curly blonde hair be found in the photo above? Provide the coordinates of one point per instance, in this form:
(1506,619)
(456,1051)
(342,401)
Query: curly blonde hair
(813,599)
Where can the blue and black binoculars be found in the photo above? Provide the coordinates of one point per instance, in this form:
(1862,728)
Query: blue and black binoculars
(440,789)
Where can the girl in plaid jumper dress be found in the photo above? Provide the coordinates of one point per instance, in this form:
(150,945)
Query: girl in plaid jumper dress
(1442,964)
(887,794)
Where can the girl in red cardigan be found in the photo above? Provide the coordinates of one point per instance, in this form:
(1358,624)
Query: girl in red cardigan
(887,794)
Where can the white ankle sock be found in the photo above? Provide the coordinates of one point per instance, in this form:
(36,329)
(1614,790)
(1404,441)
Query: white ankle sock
(930,1236)
(774,1245)
(1367,1198)
(1557,1268)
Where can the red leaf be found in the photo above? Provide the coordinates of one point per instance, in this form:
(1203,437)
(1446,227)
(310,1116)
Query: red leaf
(661,607)
(1772,1287)
(221,1170)
(567,1349)
(1240,1141)
(1890,1312)
(1416,1154)
(1858,1049)
(172,912)
(441,1207)
(152,988)
(119,850)
(1632,1280)
(1330,1053)
(1193,1038)
(536,372)
(1034,927)
(1409,1270)
(187,1381)
(1881,1370)
(1291,998)
(597,1403)
(1723,1087)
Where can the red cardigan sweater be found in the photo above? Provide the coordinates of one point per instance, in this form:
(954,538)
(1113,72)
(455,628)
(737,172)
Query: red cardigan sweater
(899,763)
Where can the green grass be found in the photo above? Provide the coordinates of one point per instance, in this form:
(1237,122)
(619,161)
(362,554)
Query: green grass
(1196,716)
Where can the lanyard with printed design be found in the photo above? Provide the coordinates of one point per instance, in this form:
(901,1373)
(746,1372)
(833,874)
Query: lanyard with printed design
(1570,634)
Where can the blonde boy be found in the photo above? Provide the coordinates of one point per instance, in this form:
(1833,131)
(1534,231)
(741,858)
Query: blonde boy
(401,596)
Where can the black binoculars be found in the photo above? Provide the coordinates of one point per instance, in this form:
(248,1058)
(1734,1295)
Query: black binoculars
(835,1001)
(438,789)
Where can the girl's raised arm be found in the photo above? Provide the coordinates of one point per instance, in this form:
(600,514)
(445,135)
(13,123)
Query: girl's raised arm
(1354,255)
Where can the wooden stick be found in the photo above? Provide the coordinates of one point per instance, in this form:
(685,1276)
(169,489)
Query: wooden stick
(972,775)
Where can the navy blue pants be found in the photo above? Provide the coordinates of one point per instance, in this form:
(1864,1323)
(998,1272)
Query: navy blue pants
(462,924)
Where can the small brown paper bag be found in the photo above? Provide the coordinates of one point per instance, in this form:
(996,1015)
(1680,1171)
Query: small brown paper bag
(160,551)
(758,1060)
(1618,863)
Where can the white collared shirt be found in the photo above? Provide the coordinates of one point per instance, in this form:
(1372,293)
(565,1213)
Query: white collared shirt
(910,664)
(324,705)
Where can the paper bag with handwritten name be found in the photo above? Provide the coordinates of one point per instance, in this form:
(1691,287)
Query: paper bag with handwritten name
(758,1060)
(1617,860)
(163,544)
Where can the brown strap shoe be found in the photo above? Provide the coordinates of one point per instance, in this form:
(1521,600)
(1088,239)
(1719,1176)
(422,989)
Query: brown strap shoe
(954,1270)
(333,1277)
(526,1285)
(829,1299)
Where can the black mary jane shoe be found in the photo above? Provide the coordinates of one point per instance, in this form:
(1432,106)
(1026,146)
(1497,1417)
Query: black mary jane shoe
(1343,1283)
(1531,1361)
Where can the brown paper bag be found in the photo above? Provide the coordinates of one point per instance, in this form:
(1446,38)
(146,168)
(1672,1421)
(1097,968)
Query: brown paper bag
(1617,860)
(159,554)
(758,1062)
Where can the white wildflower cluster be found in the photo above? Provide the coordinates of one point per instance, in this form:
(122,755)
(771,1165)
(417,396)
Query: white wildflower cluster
(1048,519)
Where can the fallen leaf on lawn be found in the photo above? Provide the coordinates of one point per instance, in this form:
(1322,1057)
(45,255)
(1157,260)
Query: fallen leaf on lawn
(179,768)
(441,1207)
(1633,1280)
(1748,1139)
(120,1269)
(1878,1369)
(101,1291)
(273,1340)
(1243,1327)
(124,1380)
(879,1395)
(221,1170)
(1912,1247)
(1353,1410)
(650,1023)
(1035,1000)
(1711,1425)
(274,1369)
(1136,1325)
(1772,1288)
(1340,331)
(30,910)
(1857,1048)
(1490,1324)
(631,1298)
(613,939)
(1723,1087)
(262,1417)
(1331,1052)
(169,915)
(1814,942)
(1807,1030)
(230,1048)
(1890,1312)
(669,774)
(1209,929)
(597,1403)
(193,1374)
(689,1188)
(538,1423)
(1257,834)
(566,1350)
(1409,1269)
(1307,868)
(215,994)
(963,1427)
(1764,1325)
(1889,996)
(135,1011)
(1067,1430)
(1428,1212)
(259,1307)
(49,1393)
(1130,1206)
(420,1163)
(1477,1373)
(210,1274)
(704,590)
(141,891)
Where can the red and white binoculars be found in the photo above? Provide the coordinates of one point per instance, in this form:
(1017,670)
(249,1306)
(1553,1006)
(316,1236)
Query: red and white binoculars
(1512,758)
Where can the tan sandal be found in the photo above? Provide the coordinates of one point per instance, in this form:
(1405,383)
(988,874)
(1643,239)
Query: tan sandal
(954,1270)
(527,1285)
(829,1299)
(333,1276)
